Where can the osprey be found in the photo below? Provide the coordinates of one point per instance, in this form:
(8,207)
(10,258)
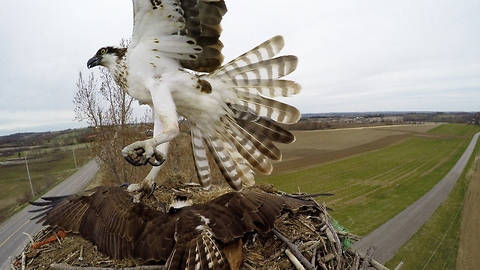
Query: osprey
(173,65)
(192,237)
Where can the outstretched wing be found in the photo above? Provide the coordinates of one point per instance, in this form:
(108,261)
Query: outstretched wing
(247,211)
(203,230)
(185,30)
(105,216)
(188,238)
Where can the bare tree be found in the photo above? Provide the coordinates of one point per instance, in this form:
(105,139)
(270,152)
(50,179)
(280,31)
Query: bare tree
(109,110)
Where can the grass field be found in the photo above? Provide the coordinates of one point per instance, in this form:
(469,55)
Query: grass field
(435,245)
(372,186)
(45,173)
(374,173)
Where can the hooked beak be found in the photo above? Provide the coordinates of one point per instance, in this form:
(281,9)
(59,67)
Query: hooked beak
(94,61)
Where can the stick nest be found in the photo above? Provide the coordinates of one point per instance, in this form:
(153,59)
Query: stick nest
(317,240)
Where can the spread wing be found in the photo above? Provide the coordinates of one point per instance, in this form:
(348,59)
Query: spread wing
(188,238)
(185,30)
(105,216)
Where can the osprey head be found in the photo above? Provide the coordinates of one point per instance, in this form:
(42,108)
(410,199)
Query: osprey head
(106,56)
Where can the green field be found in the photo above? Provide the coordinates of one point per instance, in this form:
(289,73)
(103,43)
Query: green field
(46,172)
(372,188)
(435,245)
(375,173)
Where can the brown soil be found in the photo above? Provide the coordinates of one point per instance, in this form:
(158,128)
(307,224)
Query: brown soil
(315,147)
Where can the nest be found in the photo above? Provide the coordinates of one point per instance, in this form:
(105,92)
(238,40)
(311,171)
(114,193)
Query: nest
(307,239)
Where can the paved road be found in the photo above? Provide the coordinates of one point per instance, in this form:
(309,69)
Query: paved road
(392,235)
(12,239)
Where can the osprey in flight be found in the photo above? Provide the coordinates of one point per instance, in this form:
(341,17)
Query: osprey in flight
(191,237)
(173,64)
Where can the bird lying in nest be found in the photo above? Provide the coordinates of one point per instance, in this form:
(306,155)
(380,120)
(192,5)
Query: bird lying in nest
(199,236)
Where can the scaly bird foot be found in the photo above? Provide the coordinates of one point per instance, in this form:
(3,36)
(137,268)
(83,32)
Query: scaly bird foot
(140,153)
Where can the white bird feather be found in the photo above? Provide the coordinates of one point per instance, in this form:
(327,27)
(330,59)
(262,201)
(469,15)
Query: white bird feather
(230,108)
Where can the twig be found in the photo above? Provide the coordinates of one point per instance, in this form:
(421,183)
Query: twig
(399,266)
(327,257)
(23,260)
(248,266)
(337,244)
(314,255)
(293,249)
(294,260)
(80,258)
(12,266)
(368,257)
(30,237)
(356,260)
(58,238)
(56,266)
(373,262)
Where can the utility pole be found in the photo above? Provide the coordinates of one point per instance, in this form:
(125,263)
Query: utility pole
(29,178)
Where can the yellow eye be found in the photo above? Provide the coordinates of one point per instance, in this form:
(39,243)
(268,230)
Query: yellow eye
(103,51)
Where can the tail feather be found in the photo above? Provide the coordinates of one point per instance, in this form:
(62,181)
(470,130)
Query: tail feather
(266,50)
(209,254)
(232,171)
(243,140)
(270,69)
(275,110)
(269,88)
(268,128)
(247,146)
(254,124)
(258,140)
(199,253)
(200,157)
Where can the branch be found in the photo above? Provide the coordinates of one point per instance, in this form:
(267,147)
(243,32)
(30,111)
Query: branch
(57,266)
(294,250)
(373,262)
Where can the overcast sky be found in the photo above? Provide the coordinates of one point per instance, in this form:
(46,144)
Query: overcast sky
(372,55)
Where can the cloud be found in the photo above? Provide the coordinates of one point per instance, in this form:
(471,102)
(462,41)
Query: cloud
(365,55)
(28,121)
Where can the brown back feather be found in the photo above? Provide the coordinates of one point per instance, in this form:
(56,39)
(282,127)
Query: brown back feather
(121,229)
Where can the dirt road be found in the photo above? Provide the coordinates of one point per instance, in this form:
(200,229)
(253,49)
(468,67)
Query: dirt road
(393,234)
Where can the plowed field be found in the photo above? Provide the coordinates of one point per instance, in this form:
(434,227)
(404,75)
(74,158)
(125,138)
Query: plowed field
(314,147)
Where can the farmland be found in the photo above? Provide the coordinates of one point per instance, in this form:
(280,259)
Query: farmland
(374,172)
(374,181)
(52,157)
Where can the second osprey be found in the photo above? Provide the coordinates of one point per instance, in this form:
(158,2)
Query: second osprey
(173,64)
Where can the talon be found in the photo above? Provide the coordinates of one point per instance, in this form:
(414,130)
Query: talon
(126,184)
(131,161)
(135,157)
(154,185)
(156,163)
(164,208)
(159,159)
(139,157)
